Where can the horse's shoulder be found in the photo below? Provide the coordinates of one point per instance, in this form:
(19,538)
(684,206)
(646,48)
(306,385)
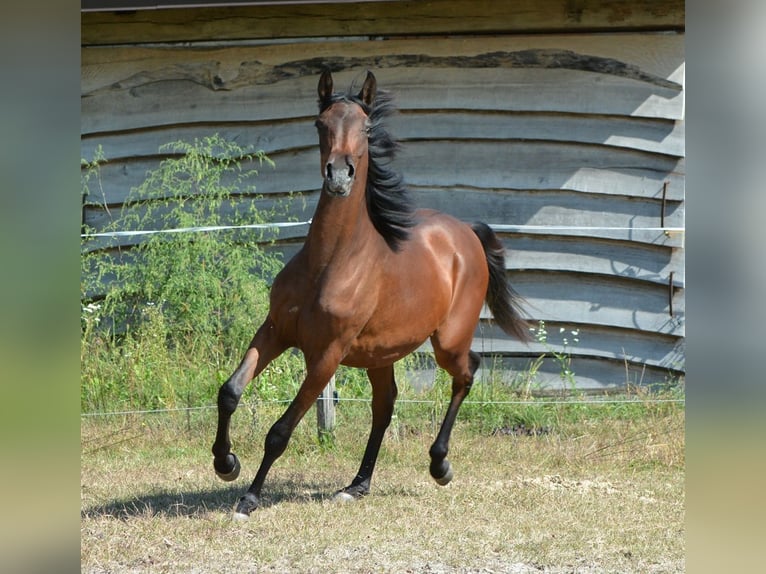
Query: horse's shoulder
(431,221)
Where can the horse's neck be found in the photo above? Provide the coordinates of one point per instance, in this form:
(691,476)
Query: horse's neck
(340,228)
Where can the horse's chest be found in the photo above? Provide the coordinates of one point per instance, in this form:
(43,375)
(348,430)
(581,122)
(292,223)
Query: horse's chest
(340,308)
(309,316)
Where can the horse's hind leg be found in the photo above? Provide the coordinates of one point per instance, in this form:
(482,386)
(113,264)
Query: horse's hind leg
(383,396)
(462,368)
(262,350)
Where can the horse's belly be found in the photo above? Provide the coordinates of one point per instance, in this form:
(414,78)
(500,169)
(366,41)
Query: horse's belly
(371,358)
(373,349)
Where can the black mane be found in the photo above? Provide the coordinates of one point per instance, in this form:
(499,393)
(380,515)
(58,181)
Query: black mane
(389,204)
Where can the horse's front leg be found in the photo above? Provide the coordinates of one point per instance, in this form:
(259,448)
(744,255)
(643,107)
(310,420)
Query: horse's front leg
(317,376)
(383,397)
(262,350)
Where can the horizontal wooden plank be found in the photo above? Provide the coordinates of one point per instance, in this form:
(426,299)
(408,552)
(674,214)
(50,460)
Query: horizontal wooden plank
(585,340)
(542,166)
(119,178)
(561,209)
(290,239)
(600,300)
(586,255)
(592,375)
(658,136)
(567,91)
(650,135)
(653,236)
(377,18)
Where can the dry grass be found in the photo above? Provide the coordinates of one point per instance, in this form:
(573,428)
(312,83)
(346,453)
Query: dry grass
(596,495)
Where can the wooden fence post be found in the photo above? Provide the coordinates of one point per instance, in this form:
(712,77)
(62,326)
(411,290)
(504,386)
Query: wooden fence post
(326,412)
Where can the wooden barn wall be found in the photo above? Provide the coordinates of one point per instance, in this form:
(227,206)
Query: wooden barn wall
(571,145)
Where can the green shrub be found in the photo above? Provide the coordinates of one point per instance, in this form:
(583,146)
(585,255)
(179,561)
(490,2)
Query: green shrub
(165,320)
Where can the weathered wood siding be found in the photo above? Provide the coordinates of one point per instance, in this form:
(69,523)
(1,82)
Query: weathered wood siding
(570,145)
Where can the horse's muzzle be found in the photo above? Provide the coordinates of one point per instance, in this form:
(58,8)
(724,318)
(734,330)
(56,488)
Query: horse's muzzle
(337,190)
(339,176)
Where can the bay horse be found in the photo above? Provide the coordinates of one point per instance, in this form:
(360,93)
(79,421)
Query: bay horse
(374,279)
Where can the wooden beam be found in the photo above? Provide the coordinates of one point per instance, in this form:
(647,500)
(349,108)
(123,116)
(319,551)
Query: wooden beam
(388,18)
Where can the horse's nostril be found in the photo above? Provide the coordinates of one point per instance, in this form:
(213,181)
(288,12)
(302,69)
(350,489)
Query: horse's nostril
(351,170)
(328,172)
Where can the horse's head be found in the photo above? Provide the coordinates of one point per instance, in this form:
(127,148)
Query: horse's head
(343,125)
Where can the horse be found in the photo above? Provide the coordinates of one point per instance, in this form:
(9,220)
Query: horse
(374,279)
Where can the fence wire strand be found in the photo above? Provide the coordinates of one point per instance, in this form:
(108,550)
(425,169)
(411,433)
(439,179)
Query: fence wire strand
(538,402)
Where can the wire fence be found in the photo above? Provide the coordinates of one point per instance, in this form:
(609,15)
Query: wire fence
(533,402)
(276,225)
(197,229)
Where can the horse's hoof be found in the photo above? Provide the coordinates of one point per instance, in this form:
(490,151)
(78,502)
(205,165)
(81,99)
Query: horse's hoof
(352,493)
(233,473)
(244,507)
(447,478)
(343,497)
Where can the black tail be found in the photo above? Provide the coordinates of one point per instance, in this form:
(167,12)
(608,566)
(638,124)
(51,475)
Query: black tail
(502,300)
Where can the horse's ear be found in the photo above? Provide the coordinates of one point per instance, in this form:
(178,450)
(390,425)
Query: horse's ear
(325,86)
(367,93)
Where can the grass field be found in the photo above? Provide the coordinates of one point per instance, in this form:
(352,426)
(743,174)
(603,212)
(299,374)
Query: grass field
(602,490)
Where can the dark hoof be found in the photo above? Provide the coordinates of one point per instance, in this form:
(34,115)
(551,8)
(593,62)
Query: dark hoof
(245,506)
(229,470)
(443,474)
